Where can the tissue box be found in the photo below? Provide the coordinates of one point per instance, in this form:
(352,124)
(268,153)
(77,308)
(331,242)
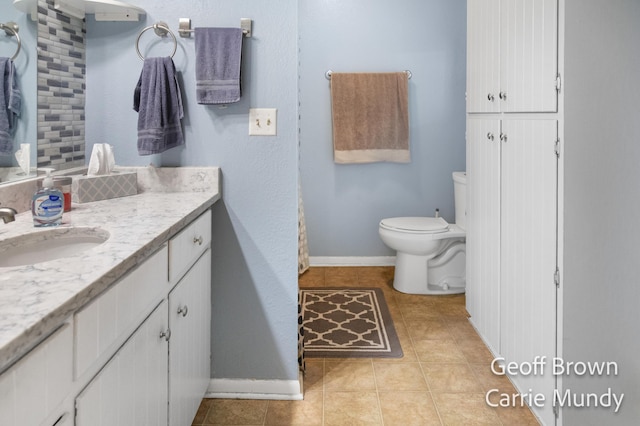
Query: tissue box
(86,189)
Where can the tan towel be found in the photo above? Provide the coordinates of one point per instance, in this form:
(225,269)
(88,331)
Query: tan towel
(370,117)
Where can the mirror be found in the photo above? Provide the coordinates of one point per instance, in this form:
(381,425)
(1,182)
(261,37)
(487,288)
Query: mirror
(26,70)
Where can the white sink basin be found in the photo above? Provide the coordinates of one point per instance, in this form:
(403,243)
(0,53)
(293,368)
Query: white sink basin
(50,244)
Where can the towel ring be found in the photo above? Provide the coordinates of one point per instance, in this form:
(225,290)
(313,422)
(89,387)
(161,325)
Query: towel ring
(160,29)
(11,29)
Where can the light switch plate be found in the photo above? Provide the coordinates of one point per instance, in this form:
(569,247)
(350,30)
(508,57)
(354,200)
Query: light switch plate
(262,122)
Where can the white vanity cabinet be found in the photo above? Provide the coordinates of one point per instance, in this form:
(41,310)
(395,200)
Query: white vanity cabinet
(159,375)
(189,320)
(512,56)
(132,387)
(190,343)
(33,389)
(102,326)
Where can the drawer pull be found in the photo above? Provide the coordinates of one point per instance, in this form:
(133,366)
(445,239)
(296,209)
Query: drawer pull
(166,335)
(198,240)
(184,310)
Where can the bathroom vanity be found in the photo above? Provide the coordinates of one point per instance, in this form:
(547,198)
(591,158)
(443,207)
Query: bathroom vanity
(119,333)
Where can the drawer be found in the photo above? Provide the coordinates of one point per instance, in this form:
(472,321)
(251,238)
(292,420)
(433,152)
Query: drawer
(103,325)
(35,386)
(187,246)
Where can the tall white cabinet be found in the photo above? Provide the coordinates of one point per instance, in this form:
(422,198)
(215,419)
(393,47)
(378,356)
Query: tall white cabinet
(512,178)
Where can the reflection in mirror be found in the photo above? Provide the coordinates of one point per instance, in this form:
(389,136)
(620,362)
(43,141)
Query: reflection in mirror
(26,68)
(60,88)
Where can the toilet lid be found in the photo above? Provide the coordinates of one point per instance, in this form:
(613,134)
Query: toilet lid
(416,224)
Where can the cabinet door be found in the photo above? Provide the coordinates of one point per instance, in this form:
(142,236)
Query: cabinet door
(132,387)
(102,326)
(190,344)
(34,388)
(512,55)
(483,55)
(483,228)
(529,55)
(528,250)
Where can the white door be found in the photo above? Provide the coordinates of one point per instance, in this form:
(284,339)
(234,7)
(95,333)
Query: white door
(512,55)
(132,388)
(190,344)
(483,228)
(529,55)
(483,55)
(529,251)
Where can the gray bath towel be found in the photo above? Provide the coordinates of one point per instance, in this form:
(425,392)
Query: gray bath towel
(10,102)
(158,101)
(218,59)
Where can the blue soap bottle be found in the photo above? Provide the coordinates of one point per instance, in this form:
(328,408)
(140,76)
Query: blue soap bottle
(47,204)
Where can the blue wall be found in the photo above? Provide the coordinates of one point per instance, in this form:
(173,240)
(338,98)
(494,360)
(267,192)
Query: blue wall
(344,203)
(255,224)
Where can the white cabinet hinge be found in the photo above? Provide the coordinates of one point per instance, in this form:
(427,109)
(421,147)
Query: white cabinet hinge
(556,277)
(558,83)
(557,147)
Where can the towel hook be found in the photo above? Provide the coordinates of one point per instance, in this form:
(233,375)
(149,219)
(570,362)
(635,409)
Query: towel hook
(11,29)
(161,29)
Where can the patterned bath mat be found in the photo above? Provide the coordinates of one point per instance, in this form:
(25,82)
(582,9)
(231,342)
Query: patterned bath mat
(348,322)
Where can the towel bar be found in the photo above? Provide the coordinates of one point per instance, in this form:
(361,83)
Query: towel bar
(185,27)
(11,29)
(161,29)
(329,72)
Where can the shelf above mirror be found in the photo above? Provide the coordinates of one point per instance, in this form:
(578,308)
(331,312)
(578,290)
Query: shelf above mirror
(104,10)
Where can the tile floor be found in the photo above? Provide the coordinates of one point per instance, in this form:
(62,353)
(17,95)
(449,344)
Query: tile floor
(441,380)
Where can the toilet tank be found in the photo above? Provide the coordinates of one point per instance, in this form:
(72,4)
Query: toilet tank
(460,198)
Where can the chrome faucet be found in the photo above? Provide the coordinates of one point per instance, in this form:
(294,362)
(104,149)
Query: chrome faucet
(8,214)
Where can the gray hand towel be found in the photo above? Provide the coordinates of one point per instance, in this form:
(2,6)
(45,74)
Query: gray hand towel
(158,101)
(10,102)
(218,59)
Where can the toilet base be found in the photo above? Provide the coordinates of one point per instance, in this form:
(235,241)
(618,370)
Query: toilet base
(412,276)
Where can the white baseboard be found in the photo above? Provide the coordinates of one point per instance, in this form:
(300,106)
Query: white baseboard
(352,260)
(255,389)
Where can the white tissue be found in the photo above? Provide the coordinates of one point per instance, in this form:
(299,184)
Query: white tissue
(23,155)
(102,161)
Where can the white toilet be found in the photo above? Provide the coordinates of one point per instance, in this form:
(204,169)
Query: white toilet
(430,253)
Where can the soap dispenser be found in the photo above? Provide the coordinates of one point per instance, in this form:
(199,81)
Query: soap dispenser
(47,203)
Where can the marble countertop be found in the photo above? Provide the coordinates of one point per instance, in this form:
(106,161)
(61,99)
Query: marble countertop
(36,299)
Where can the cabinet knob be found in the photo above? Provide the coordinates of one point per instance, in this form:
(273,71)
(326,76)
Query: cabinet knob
(184,310)
(490,136)
(198,240)
(166,335)
(503,137)
(490,97)
(503,96)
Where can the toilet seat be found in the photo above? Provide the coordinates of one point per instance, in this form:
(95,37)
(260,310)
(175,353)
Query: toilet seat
(416,225)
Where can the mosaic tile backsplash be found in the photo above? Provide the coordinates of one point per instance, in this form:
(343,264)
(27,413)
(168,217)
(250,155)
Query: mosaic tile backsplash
(61,88)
